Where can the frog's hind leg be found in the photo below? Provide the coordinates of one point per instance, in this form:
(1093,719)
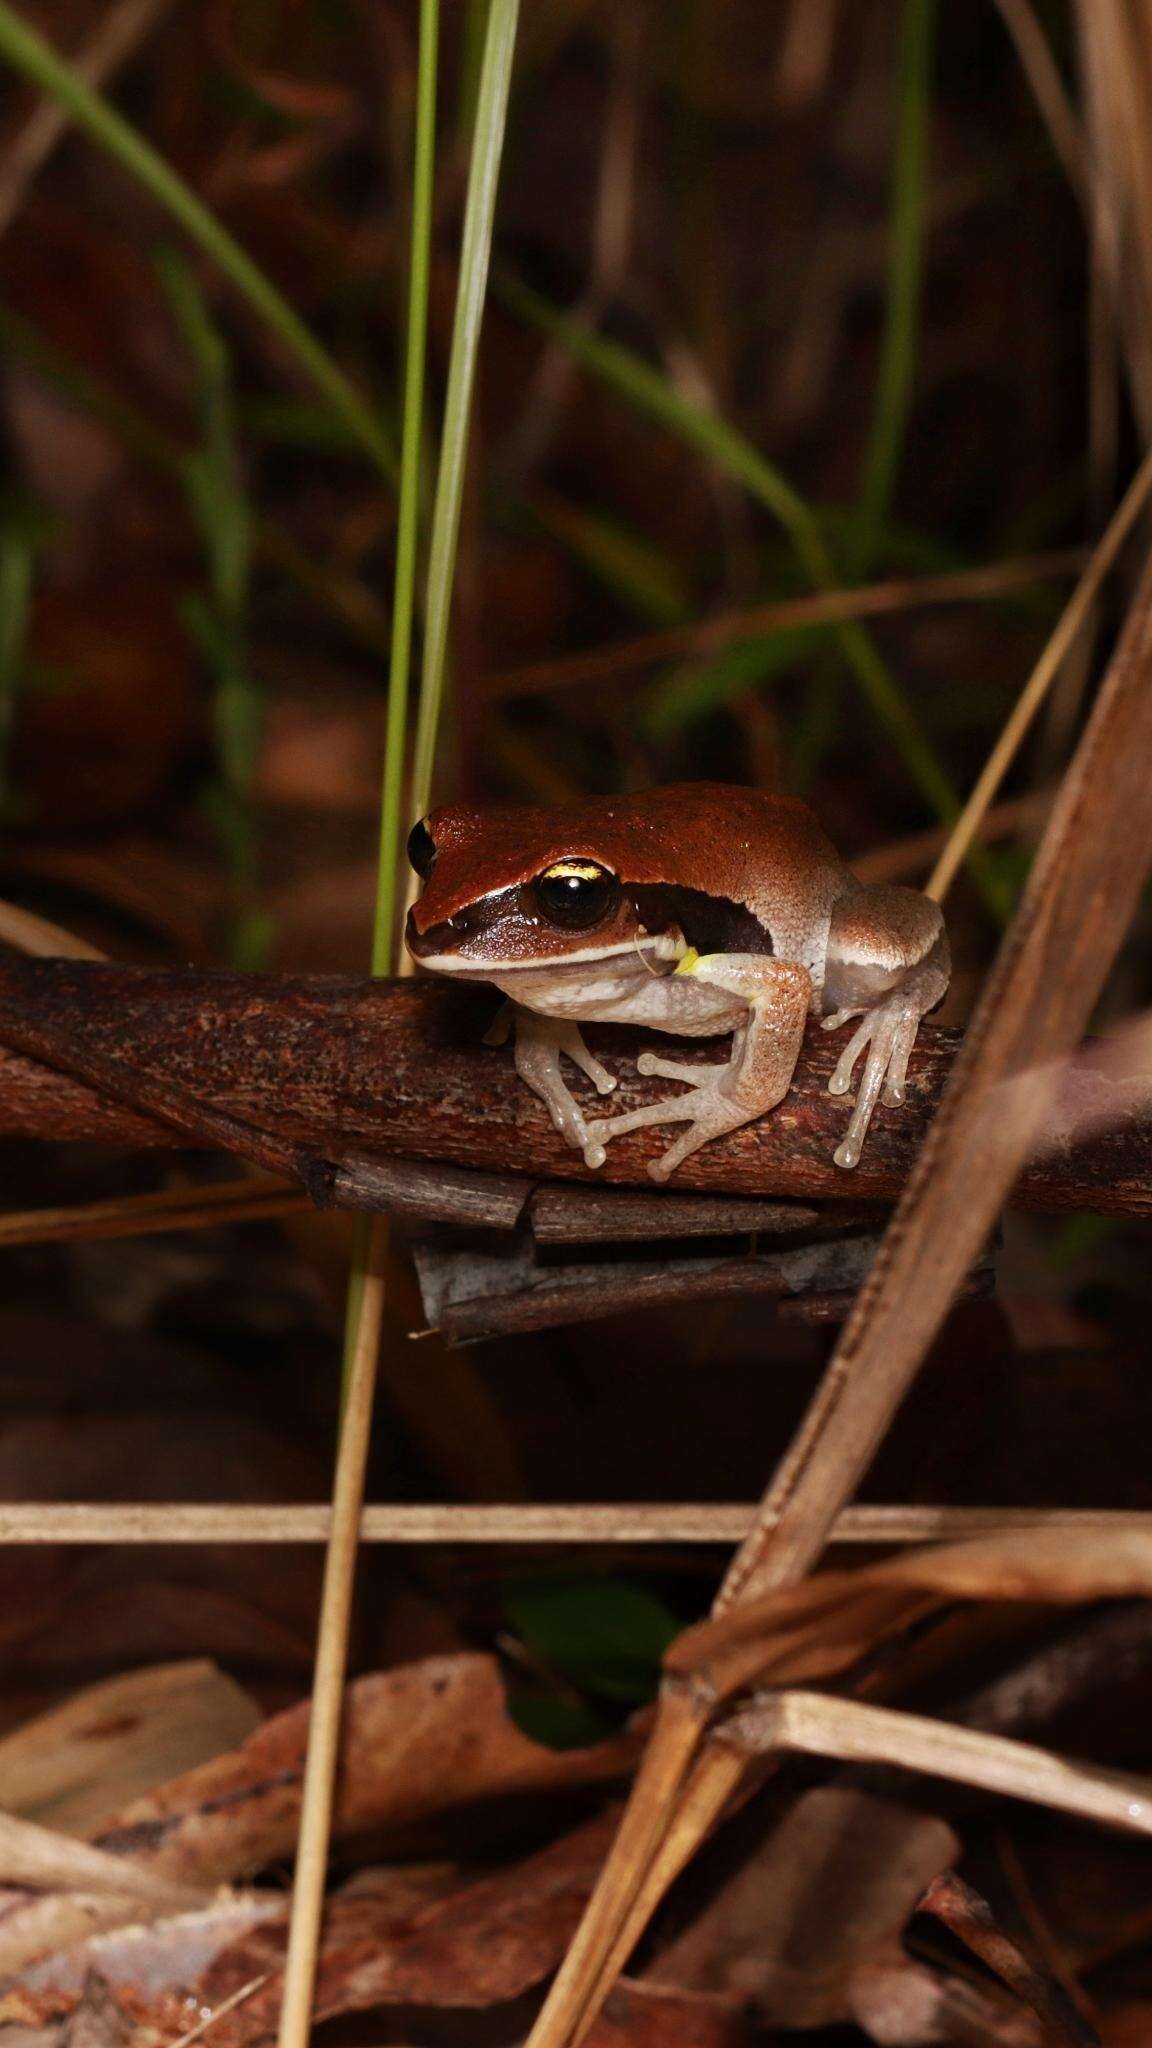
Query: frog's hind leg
(757,1076)
(539,1044)
(888,964)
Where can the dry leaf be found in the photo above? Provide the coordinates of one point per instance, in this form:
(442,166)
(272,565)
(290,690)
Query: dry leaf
(906,2005)
(487,1942)
(418,1740)
(71,1767)
(482,1946)
(167,1956)
(827,1622)
(828,1891)
(638,2014)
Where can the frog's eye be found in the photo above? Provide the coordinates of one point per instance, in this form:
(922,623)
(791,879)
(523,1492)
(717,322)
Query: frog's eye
(577,894)
(421,850)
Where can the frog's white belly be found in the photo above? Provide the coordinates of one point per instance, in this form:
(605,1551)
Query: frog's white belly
(625,991)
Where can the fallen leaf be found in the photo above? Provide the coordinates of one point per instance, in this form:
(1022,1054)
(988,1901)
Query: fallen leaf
(482,1946)
(418,1740)
(906,2005)
(830,1889)
(638,2014)
(167,1956)
(97,2021)
(71,1767)
(487,1942)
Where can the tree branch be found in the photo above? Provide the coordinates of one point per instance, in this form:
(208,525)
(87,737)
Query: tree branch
(333,1081)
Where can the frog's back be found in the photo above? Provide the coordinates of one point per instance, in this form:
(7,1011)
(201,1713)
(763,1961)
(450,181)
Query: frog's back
(761,850)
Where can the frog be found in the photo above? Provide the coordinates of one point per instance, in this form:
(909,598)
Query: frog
(696,909)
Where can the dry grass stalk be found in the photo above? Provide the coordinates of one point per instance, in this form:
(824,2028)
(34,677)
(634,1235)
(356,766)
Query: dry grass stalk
(1083,890)
(39,1859)
(1075,617)
(34,1523)
(116,37)
(319,1787)
(1116,53)
(1084,887)
(870,601)
(221,2011)
(192,1208)
(812,1724)
(35,935)
(1056,109)
(902,859)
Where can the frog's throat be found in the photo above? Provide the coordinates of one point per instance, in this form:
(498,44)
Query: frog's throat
(664,949)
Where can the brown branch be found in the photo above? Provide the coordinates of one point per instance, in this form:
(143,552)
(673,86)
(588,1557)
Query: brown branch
(599,665)
(113,43)
(333,1082)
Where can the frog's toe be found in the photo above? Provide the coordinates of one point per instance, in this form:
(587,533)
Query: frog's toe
(668,1070)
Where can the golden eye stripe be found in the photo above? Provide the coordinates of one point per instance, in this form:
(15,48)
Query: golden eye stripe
(573,871)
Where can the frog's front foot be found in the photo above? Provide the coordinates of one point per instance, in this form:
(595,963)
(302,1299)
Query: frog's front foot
(539,1044)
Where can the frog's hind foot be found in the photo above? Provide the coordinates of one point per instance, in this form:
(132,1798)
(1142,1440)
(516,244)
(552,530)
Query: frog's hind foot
(888,1031)
(706,1108)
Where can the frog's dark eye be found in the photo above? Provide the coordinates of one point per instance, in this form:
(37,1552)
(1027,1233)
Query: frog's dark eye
(577,894)
(421,850)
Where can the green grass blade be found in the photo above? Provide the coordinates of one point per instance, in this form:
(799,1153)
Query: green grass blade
(905,269)
(408,514)
(715,438)
(487,145)
(30,54)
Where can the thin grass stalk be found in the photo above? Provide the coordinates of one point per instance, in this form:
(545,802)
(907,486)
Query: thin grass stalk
(318,1789)
(1071,623)
(905,270)
(367,1283)
(36,60)
(364,1311)
(115,39)
(475,252)
(36,935)
(526,1525)
(408,517)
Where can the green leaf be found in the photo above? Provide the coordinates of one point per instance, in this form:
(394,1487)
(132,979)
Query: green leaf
(557,1723)
(605,1635)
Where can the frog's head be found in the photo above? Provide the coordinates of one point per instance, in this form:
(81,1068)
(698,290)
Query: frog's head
(509,888)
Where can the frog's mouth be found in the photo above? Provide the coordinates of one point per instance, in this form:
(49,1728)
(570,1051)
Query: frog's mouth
(655,953)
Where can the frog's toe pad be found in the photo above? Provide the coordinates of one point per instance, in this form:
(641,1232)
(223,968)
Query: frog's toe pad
(668,1070)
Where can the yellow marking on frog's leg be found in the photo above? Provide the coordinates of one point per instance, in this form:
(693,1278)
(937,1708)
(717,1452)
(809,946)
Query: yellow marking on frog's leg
(753,1081)
(688,962)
